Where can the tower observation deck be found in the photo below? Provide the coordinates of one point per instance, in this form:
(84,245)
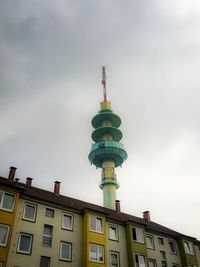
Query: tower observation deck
(107,153)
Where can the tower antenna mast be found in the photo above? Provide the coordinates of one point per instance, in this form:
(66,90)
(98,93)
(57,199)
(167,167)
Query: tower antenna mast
(104,82)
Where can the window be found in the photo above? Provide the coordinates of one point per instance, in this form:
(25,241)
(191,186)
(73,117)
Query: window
(4,231)
(96,224)
(188,248)
(114,259)
(172,246)
(67,221)
(29,212)
(160,241)
(49,213)
(45,261)
(138,235)
(163,258)
(65,251)
(24,243)
(113,232)
(163,255)
(6,201)
(1,264)
(163,263)
(140,260)
(150,242)
(96,253)
(152,263)
(47,235)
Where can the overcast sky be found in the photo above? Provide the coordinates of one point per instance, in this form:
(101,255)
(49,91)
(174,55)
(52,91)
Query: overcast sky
(51,53)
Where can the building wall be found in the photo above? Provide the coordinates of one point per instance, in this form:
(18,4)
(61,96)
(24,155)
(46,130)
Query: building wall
(134,247)
(197,252)
(7,218)
(92,237)
(119,246)
(36,229)
(171,258)
(187,259)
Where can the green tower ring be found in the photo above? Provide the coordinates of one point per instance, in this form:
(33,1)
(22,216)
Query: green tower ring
(107,150)
(108,182)
(103,116)
(99,132)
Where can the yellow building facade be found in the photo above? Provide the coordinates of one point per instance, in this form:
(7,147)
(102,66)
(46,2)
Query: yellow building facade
(9,199)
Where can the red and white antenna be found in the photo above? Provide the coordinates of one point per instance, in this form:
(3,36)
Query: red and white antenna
(104,82)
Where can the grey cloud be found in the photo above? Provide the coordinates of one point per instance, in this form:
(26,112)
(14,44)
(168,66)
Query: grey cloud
(51,53)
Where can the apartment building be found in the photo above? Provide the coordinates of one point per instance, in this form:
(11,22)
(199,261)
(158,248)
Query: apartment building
(46,229)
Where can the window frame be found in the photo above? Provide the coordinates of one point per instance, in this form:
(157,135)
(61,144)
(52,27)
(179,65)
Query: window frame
(140,255)
(163,259)
(50,237)
(2,200)
(30,245)
(24,212)
(164,263)
(96,218)
(152,239)
(118,258)
(137,229)
(161,241)
(164,254)
(98,246)
(46,258)
(7,234)
(72,221)
(49,209)
(70,251)
(154,261)
(117,232)
(174,246)
(189,246)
